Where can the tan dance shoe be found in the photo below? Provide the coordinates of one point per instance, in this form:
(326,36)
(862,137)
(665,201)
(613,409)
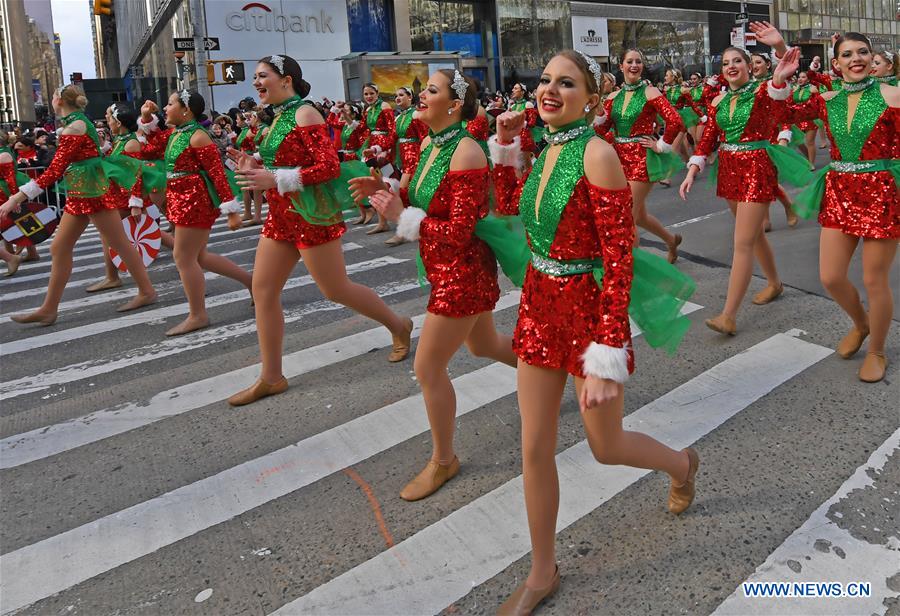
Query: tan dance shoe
(523,600)
(673,249)
(873,367)
(681,497)
(852,342)
(257,391)
(12,266)
(35,317)
(723,324)
(768,295)
(104,285)
(395,240)
(430,480)
(402,344)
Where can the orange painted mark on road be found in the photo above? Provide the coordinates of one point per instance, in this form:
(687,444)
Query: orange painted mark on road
(373,502)
(275,469)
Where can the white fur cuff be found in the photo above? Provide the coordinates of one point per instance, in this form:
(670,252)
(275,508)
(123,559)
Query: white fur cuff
(662,147)
(779,94)
(606,362)
(393,185)
(135,202)
(257,157)
(700,161)
(150,127)
(31,189)
(231,207)
(712,81)
(703,119)
(288,180)
(786,135)
(410,220)
(377,149)
(142,139)
(508,154)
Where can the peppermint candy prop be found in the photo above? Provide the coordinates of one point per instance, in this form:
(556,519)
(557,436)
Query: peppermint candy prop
(144,233)
(34,223)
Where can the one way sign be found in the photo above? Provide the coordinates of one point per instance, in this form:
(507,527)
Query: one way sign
(210,43)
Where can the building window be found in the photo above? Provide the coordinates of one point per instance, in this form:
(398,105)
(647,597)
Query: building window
(444,26)
(682,45)
(370,25)
(531,31)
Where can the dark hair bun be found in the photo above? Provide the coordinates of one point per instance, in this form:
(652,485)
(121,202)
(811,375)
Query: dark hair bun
(126,115)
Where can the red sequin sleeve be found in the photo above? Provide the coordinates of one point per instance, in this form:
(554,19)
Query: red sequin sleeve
(710,92)
(674,123)
(603,126)
(8,175)
(386,126)
(154,147)
(811,109)
(333,121)
(69,147)
(507,189)
(819,79)
(208,157)
(358,136)
(469,194)
(531,116)
(479,128)
(710,136)
(325,164)
(404,196)
(410,152)
(615,226)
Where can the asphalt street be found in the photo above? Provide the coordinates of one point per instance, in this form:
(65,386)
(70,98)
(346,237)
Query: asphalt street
(131,487)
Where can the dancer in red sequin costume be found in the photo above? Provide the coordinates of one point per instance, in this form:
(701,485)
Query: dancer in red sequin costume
(122,123)
(445,197)
(746,176)
(518,102)
(197,191)
(379,118)
(568,324)
(246,143)
(857,198)
(78,159)
(410,132)
(299,160)
(8,187)
(631,113)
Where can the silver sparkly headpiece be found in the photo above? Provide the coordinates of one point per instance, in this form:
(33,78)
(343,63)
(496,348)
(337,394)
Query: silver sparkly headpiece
(114,112)
(459,85)
(185,97)
(596,71)
(278,63)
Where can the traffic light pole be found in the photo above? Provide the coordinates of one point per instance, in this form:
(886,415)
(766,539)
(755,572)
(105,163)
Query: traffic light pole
(198,18)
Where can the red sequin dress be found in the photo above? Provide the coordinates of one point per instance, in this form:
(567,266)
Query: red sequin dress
(866,204)
(531,116)
(118,197)
(461,267)
(746,176)
(188,203)
(409,145)
(248,143)
(479,128)
(8,175)
(310,153)
(633,155)
(560,316)
(383,132)
(72,149)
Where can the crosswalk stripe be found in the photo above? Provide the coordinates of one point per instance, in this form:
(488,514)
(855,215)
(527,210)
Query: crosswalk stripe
(126,294)
(859,561)
(99,265)
(167,347)
(124,536)
(443,562)
(92,250)
(43,442)
(145,316)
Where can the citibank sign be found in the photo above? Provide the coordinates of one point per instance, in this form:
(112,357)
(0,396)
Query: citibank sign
(257,17)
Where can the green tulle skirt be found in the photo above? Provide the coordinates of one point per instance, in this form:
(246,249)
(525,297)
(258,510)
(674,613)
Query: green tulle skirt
(689,117)
(662,166)
(153,174)
(324,204)
(90,178)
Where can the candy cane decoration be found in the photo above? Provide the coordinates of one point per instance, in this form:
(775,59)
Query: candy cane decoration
(144,234)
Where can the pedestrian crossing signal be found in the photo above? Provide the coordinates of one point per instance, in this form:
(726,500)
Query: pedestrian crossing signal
(103,7)
(232,72)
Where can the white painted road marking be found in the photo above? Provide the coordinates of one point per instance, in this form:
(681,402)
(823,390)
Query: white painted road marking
(51,440)
(167,347)
(142,317)
(858,561)
(443,562)
(44,568)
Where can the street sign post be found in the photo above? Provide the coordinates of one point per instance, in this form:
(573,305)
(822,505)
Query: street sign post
(742,18)
(187,44)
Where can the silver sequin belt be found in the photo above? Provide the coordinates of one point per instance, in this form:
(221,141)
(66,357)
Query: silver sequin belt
(555,267)
(635,139)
